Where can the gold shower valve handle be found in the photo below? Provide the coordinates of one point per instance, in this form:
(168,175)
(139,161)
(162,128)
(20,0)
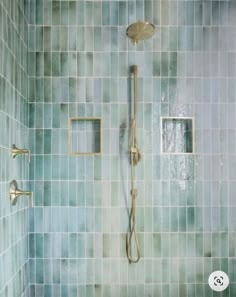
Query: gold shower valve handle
(16,151)
(15,193)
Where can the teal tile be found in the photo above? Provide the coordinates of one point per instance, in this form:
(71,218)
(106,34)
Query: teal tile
(72,38)
(80,13)
(47,90)
(89,246)
(64,290)
(106,245)
(97,14)
(32,40)
(105,13)
(47,141)
(123,290)
(182,219)
(115,65)
(81,246)
(80,64)
(89,64)
(39,12)
(39,90)
(47,12)
(165,277)
(47,64)
(172,65)
(89,194)
(55,38)
(64,62)
(206,8)
(48,290)
(106,90)
(114,8)
(39,64)
(39,141)
(98,219)
(47,32)
(63,18)
(89,13)
(189,38)
(156,245)
(72,12)
(56,12)
(47,243)
(39,271)
(32,245)
(82,221)
(156,64)
(156,290)
(80,37)
(122,13)
(173,13)
(31,63)
(97,39)
(39,246)
(64,38)
(89,40)
(64,83)
(72,64)
(38,196)
(47,194)
(174,219)
(190,218)
(57,266)
(55,167)
(157,219)
(39,172)
(56,120)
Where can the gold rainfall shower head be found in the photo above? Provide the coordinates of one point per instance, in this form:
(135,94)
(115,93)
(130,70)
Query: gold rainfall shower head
(140,31)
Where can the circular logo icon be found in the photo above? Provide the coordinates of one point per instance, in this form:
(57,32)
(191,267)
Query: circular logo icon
(218,281)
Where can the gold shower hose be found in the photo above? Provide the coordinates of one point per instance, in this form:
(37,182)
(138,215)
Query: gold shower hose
(135,157)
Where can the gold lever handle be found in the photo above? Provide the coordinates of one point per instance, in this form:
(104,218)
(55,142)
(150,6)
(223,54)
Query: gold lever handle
(15,193)
(16,151)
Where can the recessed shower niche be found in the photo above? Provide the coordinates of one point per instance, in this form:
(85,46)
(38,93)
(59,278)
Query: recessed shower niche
(177,135)
(85,136)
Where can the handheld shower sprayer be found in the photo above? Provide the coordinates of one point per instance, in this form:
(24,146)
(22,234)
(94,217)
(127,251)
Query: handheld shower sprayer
(135,157)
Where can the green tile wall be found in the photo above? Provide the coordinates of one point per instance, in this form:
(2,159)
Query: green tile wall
(79,63)
(14,120)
